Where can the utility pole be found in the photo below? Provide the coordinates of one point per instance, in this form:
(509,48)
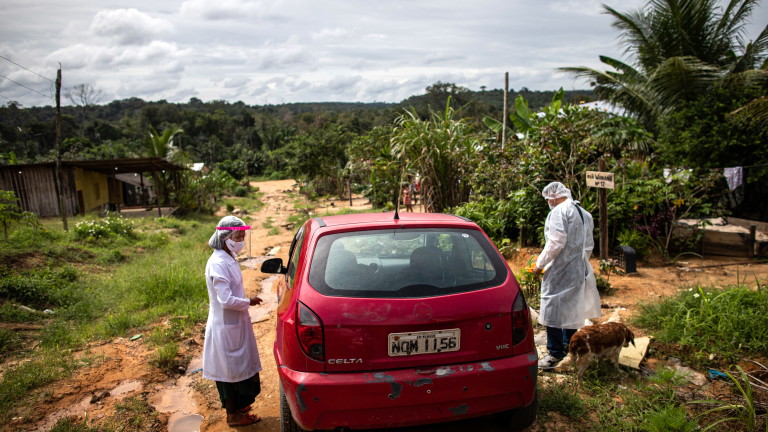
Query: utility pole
(504,116)
(57,179)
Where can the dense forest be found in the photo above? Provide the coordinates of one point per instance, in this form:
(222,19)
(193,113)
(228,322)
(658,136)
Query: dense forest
(220,132)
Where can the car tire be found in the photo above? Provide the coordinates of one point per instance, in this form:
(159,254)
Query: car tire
(519,419)
(287,423)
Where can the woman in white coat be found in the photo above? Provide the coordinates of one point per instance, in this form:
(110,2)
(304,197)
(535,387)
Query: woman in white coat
(230,354)
(568,291)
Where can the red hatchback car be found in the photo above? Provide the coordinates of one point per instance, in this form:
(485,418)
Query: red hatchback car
(386,321)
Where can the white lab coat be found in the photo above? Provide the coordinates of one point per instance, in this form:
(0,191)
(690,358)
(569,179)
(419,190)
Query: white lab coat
(230,353)
(566,300)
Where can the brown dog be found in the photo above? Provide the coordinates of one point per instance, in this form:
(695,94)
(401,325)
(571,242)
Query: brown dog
(596,342)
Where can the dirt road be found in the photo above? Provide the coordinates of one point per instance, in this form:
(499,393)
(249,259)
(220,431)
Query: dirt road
(188,402)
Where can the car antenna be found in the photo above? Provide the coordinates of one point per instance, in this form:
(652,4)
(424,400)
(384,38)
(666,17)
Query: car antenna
(399,193)
(397,202)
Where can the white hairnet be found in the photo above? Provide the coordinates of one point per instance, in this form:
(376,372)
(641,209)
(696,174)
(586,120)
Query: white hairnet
(221,235)
(555,190)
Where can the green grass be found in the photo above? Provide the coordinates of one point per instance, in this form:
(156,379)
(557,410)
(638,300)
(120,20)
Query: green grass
(17,382)
(561,400)
(14,313)
(248,204)
(728,323)
(107,287)
(133,414)
(70,424)
(711,324)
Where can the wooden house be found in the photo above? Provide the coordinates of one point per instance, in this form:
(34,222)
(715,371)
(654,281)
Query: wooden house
(90,185)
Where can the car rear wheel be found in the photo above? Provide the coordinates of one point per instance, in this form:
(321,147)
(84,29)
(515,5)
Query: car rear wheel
(287,423)
(519,419)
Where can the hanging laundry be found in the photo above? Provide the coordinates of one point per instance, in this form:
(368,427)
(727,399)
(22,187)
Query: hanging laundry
(734,176)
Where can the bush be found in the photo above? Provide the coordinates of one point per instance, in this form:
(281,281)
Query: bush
(728,322)
(241,191)
(39,289)
(635,239)
(10,212)
(603,286)
(9,342)
(106,227)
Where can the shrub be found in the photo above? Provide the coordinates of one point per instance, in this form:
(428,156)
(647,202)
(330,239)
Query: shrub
(39,289)
(635,239)
(669,418)
(241,191)
(728,322)
(108,226)
(9,342)
(10,212)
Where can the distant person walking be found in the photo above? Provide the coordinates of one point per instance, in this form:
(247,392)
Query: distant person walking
(230,354)
(568,291)
(407,199)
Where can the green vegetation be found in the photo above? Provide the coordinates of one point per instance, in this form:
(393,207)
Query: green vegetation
(708,327)
(694,94)
(134,414)
(11,213)
(711,324)
(90,300)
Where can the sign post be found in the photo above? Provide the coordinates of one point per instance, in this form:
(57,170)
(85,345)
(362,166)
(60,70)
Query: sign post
(602,180)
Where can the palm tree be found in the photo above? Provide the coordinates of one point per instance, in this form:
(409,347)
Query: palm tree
(161,145)
(680,49)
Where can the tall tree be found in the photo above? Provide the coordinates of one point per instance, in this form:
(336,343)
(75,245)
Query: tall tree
(680,49)
(84,96)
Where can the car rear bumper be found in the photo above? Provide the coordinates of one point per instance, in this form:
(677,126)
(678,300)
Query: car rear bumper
(408,397)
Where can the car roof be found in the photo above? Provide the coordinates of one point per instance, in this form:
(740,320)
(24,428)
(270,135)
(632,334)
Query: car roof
(384,219)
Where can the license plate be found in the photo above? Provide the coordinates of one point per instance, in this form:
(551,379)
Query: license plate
(426,342)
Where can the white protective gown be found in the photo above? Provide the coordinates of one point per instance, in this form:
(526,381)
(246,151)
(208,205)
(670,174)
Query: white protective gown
(591,295)
(568,289)
(230,353)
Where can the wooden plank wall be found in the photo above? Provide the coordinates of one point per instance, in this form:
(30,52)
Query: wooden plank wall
(36,189)
(724,243)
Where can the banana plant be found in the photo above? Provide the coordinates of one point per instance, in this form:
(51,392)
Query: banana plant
(524,119)
(161,145)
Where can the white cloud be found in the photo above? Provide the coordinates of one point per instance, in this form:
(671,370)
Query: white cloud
(330,33)
(235,82)
(220,10)
(128,26)
(275,51)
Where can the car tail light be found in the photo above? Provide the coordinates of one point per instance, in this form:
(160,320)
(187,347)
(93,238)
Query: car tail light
(310,330)
(521,319)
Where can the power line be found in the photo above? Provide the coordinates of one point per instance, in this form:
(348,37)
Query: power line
(28,88)
(26,69)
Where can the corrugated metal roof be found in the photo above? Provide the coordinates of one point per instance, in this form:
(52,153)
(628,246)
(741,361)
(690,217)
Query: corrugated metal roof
(111,166)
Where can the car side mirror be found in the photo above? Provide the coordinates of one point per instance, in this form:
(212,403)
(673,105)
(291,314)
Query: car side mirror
(274,265)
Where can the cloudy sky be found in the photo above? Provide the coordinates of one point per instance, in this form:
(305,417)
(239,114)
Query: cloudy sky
(278,51)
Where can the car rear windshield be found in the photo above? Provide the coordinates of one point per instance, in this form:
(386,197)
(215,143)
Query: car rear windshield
(405,263)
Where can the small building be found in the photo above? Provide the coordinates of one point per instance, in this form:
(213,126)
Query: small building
(91,185)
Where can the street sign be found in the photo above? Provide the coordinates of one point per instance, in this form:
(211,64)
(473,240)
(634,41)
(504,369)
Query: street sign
(600,179)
